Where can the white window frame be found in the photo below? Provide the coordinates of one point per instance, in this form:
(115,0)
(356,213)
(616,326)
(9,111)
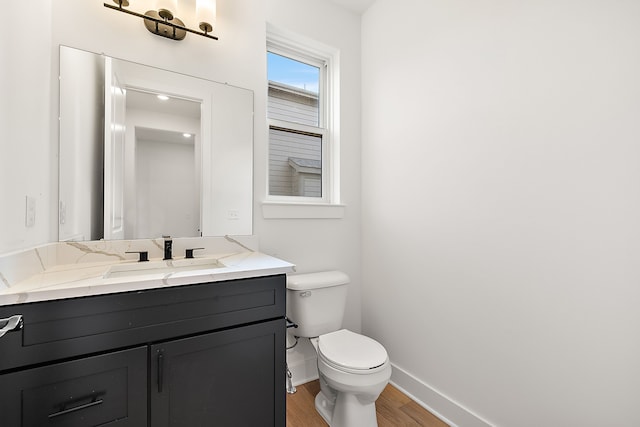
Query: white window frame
(327,60)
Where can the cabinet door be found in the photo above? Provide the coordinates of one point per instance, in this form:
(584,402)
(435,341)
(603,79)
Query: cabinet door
(233,378)
(99,390)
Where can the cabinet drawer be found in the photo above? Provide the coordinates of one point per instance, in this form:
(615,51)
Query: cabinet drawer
(62,329)
(94,391)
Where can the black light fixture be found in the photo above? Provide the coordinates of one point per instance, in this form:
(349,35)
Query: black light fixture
(163,22)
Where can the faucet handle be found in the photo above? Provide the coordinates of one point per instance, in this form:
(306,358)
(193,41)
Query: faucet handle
(189,252)
(144,255)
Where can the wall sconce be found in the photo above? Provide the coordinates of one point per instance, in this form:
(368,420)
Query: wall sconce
(163,22)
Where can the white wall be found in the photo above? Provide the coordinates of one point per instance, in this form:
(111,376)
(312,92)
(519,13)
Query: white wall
(320,244)
(501,206)
(238,58)
(25,150)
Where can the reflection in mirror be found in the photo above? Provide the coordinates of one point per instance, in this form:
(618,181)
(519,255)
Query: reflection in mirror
(165,139)
(139,157)
(162,202)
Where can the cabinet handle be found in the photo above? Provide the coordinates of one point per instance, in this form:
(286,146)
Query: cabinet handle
(160,370)
(94,402)
(13,323)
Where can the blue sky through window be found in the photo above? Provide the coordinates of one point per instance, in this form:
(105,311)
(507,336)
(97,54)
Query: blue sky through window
(293,73)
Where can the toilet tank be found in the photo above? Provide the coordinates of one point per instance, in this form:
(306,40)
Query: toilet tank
(316,302)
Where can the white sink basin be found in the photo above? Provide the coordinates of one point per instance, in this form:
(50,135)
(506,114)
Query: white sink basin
(161,267)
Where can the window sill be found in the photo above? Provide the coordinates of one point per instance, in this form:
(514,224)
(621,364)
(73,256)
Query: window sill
(289,210)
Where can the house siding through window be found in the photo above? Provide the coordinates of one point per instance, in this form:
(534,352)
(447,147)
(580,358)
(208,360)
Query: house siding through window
(295,159)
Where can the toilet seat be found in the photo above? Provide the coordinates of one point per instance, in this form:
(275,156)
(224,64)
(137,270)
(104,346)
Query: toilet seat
(351,352)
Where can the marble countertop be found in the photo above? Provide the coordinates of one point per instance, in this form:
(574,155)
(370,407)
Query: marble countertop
(98,278)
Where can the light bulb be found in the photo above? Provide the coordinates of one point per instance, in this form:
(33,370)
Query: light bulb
(206,14)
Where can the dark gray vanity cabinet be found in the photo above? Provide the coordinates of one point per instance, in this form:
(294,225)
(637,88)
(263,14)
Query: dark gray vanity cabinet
(209,354)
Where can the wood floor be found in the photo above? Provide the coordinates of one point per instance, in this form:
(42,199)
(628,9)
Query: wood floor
(393,408)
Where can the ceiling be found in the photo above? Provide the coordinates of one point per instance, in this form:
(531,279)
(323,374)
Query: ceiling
(160,135)
(173,106)
(358,6)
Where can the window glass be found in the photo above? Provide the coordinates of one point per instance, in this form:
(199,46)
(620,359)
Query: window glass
(295,163)
(296,166)
(293,90)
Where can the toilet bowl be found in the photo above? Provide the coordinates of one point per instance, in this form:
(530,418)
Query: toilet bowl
(353,369)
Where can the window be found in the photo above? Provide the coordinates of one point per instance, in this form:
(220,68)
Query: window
(301,141)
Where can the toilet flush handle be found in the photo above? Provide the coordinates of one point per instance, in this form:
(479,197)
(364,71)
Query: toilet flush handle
(290,323)
(305,294)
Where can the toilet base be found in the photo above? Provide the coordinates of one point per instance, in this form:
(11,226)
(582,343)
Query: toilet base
(324,407)
(346,411)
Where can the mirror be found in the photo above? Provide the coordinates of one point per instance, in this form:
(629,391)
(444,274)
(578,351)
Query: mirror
(134,166)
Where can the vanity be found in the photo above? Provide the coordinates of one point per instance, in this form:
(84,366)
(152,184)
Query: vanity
(91,336)
(188,347)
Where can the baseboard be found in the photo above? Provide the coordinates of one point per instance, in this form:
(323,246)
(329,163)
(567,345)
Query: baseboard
(435,402)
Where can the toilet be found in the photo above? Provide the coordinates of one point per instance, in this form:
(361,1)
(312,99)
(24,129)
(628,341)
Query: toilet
(353,368)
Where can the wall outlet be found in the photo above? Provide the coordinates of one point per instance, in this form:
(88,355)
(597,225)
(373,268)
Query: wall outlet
(30,214)
(233,214)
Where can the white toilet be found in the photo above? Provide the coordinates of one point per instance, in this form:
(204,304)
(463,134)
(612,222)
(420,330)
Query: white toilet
(353,369)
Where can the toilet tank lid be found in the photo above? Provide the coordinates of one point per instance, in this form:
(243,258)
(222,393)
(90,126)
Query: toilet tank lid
(323,279)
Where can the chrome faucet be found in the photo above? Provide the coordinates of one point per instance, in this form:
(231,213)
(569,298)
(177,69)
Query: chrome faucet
(167,247)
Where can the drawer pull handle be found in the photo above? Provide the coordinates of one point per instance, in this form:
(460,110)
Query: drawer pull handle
(94,402)
(13,323)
